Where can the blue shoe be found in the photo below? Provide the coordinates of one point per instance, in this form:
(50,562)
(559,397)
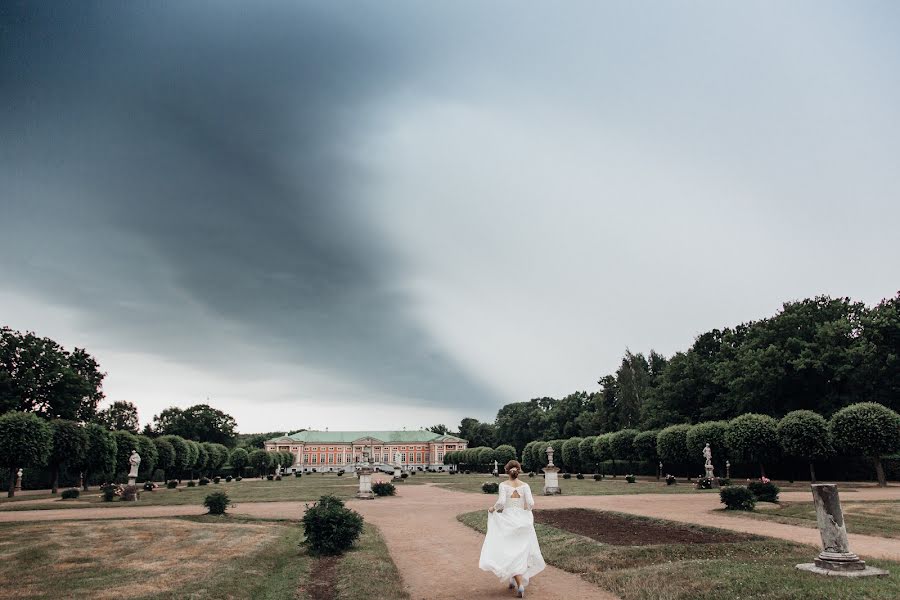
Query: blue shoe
(521,593)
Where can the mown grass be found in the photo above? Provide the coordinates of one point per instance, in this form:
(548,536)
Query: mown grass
(201,558)
(875,517)
(756,569)
(571,487)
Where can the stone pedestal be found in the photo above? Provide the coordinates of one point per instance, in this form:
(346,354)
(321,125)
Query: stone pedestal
(18,487)
(130,493)
(397,473)
(365,484)
(836,558)
(551,480)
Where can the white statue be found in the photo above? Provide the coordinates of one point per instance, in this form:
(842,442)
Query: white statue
(397,460)
(134,460)
(495,467)
(707,454)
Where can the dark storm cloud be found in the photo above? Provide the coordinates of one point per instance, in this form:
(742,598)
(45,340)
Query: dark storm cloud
(209,148)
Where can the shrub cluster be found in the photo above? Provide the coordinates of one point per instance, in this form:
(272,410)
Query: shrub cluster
(298,474)
(670,480)
(216,503)
(70,494)
(204,481)
(228,478)
(217,479)
(172,484)
(191,483)
(598,477)
(704,483)
(384,488)
(630,478)
(330,528)
(490,487)
(567,476)
(149,486)
(764,490)
(737,497)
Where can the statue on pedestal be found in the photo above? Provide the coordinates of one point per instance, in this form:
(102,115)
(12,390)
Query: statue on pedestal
(135,461)
(19,480)
(551,475)
(707,455)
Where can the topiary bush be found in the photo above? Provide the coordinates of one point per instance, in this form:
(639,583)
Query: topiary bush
(384,488)
(71,494)
(217,479)
(149,486)
(753,437)
(172,484)
(228,478)
(805,434)
(671,444)
(298,474)
(204,481)
(704,483)
(405,475)
(330,528)
(723,481)
(670,480)
(490,487)
(598,477)
(867,429)
(278,478)
(110,491)
(579,476)
(630,478)
(238,478)
(531,474)
(191,483)
(764,490)
(567,476)
(737,497)
(216,503)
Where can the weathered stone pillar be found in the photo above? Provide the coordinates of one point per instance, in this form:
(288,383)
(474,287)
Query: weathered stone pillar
(551,475)
(835,558)
(18,486)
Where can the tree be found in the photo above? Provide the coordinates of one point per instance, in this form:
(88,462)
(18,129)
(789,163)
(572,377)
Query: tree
(193,458)
(540,454)
(100,454)
(287,459)
(202,462)
(149,457)
(645,446)
(867,429)
(25,441)
(602,450)
(38,375)
(477,434)
(753,437)
(586,453)
(261,461)
(633,387)
(439,429)
(165,455)
(528,457)
(119,416)
(671,444)
(519,422)
(126,443)
(486,456)
(879,377)
(804,434)
(239,460)
(570,454)
(251,441)
(68,448)
(183,457)
(504,453)
(200,423)
(621,444)
(218,456)
(708,432)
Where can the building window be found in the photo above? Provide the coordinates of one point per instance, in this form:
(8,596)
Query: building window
(440,456)
(418,457)
(306,458)
(403,457)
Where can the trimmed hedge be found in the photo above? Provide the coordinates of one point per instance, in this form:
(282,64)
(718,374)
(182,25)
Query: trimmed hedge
(737,497)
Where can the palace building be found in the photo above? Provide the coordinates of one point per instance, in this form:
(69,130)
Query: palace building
(335,450)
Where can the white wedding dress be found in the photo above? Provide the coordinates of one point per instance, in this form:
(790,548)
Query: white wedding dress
(511,545)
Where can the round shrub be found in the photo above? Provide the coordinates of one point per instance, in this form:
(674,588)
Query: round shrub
(504,453)
(567,476)
(238,478)
(298,474)
(670,480)
(330,528)
(645,446)
(204,481)
(598,477)
(172,484)
(764,490)
(753,437)
(490,487)
(110,491)
(805,434)
(579,476)
(384,488)
(278,478)
(671,444)
(867,429)
(216,503)
(704,483)
(270,477)
(70,494)
(149,486)
(531,473)
(217,479)
(737,497)
(630,478)
(228,478)
(191,483)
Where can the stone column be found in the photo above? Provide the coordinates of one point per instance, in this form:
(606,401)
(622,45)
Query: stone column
(19,480)
(551,475)
(836,558)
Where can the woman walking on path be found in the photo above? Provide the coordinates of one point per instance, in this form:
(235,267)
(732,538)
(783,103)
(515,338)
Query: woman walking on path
(510,549)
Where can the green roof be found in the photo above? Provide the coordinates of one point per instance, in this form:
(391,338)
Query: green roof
(345,437)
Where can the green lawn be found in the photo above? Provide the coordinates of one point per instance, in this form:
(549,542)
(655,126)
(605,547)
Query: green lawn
(202,558)
(759,568)
(879,518)
(570,487)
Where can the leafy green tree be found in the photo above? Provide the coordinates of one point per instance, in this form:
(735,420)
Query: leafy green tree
(586,453)
(149,457)
(69,447)
(504,453)
(165,454)
(621,444)
(218,456)
(287,459)
(708,432)
(486,456)
(183,457)
(570,454)
(519,422)
(753,437)
(194,457)
(38,375)
(804,434)
(645,446)
(633,388)
(603,450)
(251,441)
(527,457)
(540,454)
(261,461)
(202,463)
(479,435)
(867,429)
(100,455)
(239,459)
(201,423)
(25,441)
(126,442)
(671,444)
(119,416)
(439,429)
(879,377)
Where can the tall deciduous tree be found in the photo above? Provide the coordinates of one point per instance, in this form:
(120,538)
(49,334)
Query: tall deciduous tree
(70,444)
(149,457)
(183,458)
(201,423)
(239,460)
(100,456)
(25,441)
(165,455)
(753,437)
(119,416)
(671,445)
(867,429)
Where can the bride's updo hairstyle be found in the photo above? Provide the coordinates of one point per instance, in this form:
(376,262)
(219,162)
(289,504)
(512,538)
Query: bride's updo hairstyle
(513,468)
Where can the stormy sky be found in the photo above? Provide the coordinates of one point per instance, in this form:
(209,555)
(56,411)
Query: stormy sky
(387,214)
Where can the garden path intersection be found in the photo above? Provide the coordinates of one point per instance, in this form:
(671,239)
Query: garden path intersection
(421,514)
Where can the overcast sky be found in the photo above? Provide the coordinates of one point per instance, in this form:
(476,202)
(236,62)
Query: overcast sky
(382,214)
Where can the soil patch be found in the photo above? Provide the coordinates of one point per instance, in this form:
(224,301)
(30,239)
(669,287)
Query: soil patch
(322,579)
(626,530)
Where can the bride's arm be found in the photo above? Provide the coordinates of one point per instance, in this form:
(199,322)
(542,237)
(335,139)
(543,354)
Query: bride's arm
(529,499)
(501,500)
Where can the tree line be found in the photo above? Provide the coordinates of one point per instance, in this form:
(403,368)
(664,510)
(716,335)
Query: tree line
(820,354)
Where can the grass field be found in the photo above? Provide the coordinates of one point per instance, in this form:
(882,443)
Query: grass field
(202,558)
(879,518)
(757,568)
(570,487)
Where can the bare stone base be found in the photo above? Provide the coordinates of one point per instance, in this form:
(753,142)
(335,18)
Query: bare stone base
(552,491)
(864,572)
(365,495)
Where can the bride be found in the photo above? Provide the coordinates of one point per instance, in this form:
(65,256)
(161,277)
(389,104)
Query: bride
(511,550)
